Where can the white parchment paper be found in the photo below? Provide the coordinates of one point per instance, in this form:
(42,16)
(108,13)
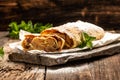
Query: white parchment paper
(107,39)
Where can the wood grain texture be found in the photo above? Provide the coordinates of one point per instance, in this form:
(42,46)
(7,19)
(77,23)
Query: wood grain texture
(72,71)
(103,13)
(17,71)
(99,68)
(105,68)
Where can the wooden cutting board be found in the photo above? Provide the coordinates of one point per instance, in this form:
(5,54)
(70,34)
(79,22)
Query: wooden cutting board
(63,57)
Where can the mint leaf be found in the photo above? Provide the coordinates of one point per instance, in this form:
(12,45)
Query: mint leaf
(1,52)
(14,28)
(89,44)
(86,41)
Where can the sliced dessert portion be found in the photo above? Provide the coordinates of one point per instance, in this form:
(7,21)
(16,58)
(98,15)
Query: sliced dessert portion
(69,35)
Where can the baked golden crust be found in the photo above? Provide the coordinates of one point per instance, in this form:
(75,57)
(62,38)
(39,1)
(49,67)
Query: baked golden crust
(71,35)
(90,29)
(26,42)
(62,37)
(48,43)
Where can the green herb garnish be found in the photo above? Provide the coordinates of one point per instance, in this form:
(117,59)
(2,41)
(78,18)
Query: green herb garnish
(86,41)
(1,52)
(14,28)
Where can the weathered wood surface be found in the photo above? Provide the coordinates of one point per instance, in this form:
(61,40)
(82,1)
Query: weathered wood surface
(104,68)
(57,58)
(17,71)
(103,12)
(99,68)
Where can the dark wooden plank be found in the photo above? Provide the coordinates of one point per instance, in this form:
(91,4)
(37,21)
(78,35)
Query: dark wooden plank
(100,68)
(60,11)
(106,68)
(17,71)
(72,71)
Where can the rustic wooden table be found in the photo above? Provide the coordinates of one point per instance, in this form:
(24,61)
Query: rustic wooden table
(99,68)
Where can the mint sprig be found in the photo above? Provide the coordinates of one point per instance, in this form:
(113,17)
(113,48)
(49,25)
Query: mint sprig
(1,52)
(86,41)
(14,28)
